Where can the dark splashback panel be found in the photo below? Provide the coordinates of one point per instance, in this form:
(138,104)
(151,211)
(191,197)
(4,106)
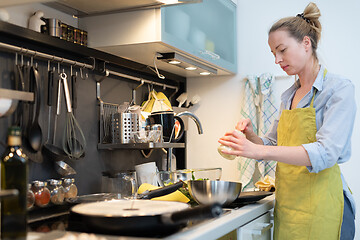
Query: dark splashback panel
(89,168)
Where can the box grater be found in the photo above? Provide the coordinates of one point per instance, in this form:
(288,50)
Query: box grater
(122,125)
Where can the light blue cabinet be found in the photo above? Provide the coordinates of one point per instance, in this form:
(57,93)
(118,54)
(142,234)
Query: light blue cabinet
(206,30)
(203,33)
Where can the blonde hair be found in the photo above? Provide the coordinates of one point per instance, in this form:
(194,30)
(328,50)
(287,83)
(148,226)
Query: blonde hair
(304,24)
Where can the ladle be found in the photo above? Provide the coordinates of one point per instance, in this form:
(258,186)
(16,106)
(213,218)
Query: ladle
(34,130)
(64,169)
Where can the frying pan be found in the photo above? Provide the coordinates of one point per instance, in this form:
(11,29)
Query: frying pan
(210,191)
(252,196)
(136,217)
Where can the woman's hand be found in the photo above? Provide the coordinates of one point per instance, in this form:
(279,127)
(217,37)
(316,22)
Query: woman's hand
(245,126)
(240,145)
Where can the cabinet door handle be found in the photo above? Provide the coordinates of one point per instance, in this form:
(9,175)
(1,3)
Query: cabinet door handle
(260,229)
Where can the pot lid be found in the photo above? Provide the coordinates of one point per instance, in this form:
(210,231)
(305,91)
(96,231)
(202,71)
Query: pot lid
(128,208)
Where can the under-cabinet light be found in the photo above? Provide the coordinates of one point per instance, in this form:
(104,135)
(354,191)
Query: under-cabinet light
(168,1)
(186,62)
(191,68)
(204,73)
(174,62)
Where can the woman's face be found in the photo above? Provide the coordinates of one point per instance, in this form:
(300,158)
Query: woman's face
(290,54)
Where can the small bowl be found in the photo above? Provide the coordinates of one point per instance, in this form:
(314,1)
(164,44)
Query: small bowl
(145,136)
(190,174)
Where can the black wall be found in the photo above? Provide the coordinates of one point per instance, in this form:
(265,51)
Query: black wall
(89,169)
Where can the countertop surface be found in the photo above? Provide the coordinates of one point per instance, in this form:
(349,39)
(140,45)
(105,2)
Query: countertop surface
(209,229)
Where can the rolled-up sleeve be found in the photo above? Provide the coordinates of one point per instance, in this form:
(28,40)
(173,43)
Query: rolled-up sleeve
(335,126)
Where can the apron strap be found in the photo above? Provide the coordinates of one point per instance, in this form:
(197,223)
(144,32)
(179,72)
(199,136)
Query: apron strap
(315,90)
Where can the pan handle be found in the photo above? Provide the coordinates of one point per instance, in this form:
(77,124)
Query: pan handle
(161,191)
(196,213)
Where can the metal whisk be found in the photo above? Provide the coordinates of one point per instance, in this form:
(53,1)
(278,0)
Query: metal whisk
(74,142)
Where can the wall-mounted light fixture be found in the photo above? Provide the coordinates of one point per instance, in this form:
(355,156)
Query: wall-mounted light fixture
(170,2)
(184,62)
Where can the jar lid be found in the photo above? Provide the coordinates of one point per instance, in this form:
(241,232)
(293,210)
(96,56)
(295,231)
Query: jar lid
(54,182)
(68,180)
(39,183)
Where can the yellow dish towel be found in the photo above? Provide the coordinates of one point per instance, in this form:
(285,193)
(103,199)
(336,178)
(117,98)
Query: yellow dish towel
(266,184)
(176,196)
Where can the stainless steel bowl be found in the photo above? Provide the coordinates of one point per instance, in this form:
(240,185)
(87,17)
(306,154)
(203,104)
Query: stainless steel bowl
(209,192)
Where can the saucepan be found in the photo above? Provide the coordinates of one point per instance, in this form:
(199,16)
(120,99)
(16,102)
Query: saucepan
(212,191)
(137,217)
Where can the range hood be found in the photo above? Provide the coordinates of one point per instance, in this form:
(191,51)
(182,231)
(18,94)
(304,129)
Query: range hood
(84,8)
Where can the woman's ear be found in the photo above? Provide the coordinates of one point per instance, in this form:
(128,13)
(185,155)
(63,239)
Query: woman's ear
(307,43)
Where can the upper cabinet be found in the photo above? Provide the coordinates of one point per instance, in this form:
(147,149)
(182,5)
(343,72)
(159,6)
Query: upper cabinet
(198,36)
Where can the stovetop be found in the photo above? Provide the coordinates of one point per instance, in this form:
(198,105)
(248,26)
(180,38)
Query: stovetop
(63,221)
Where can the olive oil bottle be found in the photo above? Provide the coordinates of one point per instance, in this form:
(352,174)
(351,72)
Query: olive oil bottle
(14,175)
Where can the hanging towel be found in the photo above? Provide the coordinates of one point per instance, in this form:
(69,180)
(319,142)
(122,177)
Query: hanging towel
(258,106)
(268,114)
(246,166)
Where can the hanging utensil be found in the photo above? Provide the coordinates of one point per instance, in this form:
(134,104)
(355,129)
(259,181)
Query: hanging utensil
(77,144)
(34,133)
(73,135)
(64,169)
(55,153)
(50,98)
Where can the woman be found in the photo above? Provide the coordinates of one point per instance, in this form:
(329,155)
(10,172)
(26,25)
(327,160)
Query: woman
(308,140)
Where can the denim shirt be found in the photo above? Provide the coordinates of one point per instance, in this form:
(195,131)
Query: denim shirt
(335,108)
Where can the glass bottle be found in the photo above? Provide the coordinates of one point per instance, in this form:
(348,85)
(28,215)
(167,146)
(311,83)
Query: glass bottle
(41,192)
(71,190)
(30,198)
(57,192)
(14,175)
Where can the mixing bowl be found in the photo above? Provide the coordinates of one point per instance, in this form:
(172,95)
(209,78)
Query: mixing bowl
(209,192)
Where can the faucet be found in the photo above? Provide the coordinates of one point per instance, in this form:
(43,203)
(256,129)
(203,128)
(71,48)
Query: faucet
(193,117)
(200,131)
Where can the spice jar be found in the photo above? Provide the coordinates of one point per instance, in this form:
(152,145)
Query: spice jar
(57,192)
(71,190)
(41,192)
(30,198)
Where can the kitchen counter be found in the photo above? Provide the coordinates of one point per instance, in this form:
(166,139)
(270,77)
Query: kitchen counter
(209,229)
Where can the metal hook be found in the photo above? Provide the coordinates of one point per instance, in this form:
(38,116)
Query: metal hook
(31,61)
(48,65)
(16,58)
(71,70)
(164,86)
(103,77)
(141,83)
(59,67)
(176,90)
(93,65)
(81,73)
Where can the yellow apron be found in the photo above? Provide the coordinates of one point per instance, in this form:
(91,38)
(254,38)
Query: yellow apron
(308,205)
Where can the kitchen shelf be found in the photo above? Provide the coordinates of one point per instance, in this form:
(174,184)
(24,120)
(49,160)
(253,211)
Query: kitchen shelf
(26,38)
(16,95)
(140,146)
